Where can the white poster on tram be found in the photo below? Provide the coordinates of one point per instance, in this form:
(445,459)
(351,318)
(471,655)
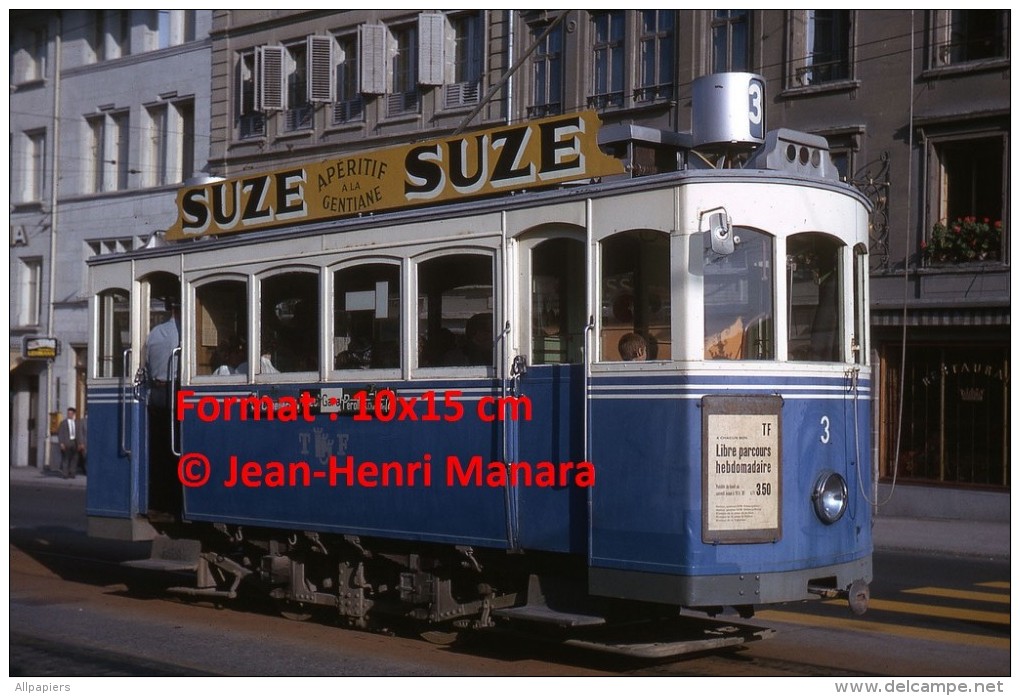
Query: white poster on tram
(741,484)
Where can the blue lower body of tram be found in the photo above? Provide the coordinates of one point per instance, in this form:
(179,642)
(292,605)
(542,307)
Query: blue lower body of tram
(639,532)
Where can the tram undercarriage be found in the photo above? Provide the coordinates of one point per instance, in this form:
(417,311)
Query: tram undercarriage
(435,591)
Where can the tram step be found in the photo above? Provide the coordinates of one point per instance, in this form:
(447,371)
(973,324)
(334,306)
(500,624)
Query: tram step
(670,638)
(170,555)
(546,615)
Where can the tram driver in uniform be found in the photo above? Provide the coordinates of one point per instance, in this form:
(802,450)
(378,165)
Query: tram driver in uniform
(164,489)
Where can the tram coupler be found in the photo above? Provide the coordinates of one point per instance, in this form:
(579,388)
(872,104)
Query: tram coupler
(857,595)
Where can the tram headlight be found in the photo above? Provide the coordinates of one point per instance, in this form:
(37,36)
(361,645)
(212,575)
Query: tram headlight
(829,497)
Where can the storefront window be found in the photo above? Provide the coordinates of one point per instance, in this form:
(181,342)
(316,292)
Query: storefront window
(955,414)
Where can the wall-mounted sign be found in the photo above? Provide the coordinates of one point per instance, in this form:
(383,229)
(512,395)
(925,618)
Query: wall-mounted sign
(537,153)
(18,236)
(40,348)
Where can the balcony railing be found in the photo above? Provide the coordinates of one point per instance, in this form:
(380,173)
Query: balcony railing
(299,118)
(251,125)
(349,111)
(403,103)
(461,94)
(602,101)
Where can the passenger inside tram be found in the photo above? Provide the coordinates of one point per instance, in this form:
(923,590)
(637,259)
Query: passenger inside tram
(633,347)
(357,355)
(231,358)
(478,339)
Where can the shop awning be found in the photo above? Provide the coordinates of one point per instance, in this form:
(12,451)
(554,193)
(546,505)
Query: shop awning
(942,316)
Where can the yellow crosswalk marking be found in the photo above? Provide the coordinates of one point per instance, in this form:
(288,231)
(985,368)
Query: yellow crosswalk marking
(931,610)
(886,629)
(960,594)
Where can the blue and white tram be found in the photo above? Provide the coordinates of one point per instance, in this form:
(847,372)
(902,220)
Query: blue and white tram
(429,413)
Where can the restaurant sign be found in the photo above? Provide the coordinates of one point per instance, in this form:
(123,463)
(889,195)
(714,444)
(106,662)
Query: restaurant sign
(537,153)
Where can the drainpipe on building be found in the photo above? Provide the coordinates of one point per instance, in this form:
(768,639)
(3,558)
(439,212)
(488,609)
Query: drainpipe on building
(53,400)
(509,57)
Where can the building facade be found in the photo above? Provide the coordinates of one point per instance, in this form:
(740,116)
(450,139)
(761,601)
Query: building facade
(914,103)
(109,115)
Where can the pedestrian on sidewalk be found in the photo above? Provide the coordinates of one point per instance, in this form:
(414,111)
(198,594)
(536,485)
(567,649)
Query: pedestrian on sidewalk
(72,444)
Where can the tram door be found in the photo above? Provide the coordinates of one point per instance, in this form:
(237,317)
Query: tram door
(113,408)
(553,316)
(160,330)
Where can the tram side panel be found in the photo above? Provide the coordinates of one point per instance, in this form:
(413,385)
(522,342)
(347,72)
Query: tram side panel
(116,497)
(551,518)
(385,478)
(650,536)
(643,507)
(830,435)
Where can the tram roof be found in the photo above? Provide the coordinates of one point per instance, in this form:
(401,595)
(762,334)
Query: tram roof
(477,206)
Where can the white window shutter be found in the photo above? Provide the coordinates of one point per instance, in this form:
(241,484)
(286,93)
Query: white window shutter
(321,63)
(373,40)
(431,35)
(269,90)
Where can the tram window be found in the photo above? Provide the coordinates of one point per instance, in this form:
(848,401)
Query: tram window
(814,279)
(636,295)
(114,332)
(738,297)
(289,339)
(455,311)
(557,301)
(859,342)
(366,312)
(221,328)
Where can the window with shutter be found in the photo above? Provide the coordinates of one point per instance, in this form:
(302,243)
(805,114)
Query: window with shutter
(269,88)
(321,60)
(431,38)
(466,50)
(405,96)
(373,58)
(250,122)
(349,104)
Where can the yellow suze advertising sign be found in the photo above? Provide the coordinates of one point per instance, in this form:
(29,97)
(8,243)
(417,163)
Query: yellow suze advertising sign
(537,153)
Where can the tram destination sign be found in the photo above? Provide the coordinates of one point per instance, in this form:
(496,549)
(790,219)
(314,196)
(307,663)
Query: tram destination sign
(480,163)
